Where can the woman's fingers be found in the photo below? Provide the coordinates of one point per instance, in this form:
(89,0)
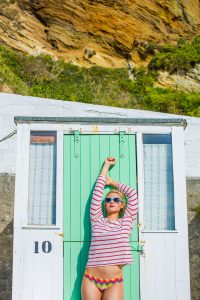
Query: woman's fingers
(108,180)
(111,160)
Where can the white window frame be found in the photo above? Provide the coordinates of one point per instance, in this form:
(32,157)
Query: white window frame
(24,131)
(140,168)
(178,165)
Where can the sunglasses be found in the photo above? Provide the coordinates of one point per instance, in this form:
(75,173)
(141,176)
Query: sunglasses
(115,199)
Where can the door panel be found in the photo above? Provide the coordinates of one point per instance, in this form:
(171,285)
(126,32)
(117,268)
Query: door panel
(84,156)
(76,253)
(131,276)
(75,259)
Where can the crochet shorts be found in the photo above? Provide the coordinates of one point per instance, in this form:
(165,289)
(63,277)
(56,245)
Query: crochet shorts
(101,283)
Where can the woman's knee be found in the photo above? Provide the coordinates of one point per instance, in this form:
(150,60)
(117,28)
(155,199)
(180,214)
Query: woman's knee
(89,291)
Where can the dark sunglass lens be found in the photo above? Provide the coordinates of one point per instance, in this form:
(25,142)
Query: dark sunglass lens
(117,200)
(108,200)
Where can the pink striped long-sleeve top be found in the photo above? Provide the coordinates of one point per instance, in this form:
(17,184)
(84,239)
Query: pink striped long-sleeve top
(110,240)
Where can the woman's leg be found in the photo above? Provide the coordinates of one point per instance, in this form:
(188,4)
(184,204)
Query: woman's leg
(116,292)
(89,291)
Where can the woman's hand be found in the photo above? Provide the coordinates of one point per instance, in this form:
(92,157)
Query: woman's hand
(111,182)
(108,181)
(110,161)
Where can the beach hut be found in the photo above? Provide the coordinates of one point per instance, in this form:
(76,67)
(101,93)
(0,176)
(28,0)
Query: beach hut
(58,161)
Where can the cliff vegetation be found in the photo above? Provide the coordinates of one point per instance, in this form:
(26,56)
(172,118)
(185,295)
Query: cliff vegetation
(132,87)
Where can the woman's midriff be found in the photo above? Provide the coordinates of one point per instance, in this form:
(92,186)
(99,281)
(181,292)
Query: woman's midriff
(106,271)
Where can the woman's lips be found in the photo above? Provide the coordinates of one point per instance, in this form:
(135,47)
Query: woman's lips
(111,206)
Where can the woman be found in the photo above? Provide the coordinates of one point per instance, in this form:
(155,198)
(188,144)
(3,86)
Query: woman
(110,248)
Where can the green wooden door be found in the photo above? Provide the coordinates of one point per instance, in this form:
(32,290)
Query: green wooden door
(84,155)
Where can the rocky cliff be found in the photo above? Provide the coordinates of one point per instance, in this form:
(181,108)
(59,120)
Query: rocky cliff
(105,33)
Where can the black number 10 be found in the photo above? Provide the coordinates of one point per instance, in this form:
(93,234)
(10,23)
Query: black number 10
(46,247)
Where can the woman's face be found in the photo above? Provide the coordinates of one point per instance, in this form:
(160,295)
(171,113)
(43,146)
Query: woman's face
(113,207)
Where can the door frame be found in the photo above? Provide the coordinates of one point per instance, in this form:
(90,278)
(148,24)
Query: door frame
(95,128)
(20,226)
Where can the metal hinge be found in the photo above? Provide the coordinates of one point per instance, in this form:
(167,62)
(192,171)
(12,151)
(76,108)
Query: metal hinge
(121,143)
(76,143)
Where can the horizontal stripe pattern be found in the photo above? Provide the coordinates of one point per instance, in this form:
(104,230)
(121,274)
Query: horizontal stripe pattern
(110,240)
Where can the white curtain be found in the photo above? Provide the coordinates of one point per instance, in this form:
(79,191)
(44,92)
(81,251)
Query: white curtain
(42,183)
(158,182)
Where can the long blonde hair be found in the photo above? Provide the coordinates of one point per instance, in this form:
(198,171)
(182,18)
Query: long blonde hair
(122,196)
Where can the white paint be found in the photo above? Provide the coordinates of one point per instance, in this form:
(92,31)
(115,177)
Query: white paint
(36,276)
(15,105)
(164,269)
(181,223)
(165,263)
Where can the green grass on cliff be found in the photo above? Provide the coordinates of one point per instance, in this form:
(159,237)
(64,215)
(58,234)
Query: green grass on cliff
(42,76)
(178,58)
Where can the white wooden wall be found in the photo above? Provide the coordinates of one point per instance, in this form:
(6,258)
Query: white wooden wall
(36,276)
(164,269)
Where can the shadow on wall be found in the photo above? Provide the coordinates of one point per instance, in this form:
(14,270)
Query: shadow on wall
(83,255)
(6,259)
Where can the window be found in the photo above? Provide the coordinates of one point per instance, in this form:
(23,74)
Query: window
(158,182)
(42,179)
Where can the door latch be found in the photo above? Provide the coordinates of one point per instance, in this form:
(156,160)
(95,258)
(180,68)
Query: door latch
(60,233)
(139,247)
(140,226)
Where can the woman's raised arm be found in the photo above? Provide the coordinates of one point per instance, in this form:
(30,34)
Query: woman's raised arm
(132,200)
(95,206)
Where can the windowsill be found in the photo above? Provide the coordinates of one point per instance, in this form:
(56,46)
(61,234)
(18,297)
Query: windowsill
(160,231)
(40,227)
